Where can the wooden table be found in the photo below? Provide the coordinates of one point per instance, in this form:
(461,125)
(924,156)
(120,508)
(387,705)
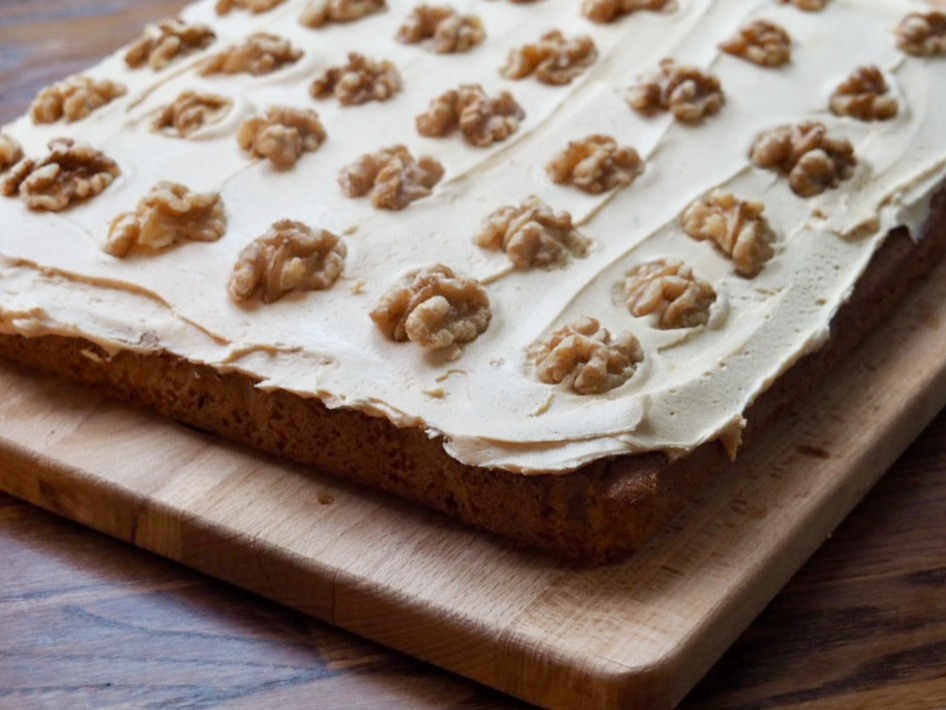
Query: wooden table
(89,622)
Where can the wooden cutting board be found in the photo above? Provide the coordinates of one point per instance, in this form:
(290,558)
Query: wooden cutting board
(635,635)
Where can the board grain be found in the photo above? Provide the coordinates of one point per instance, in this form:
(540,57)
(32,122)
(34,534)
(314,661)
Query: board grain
(638,634)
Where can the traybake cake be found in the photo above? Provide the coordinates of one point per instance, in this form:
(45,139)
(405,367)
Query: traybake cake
(529,263)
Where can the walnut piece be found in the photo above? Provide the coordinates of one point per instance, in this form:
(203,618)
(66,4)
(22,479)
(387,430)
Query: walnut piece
(261,53)
(686,91)
(442,28)
(738,229)
(321,12)
(923,34)
(610,10)
(71,172)
(161,43)
(807,5)
(864,95)
(532,235)
(223,7)
(586,357)
(190,112)
(482,120)
(553,59)
(672,291)
(761,42)
(392,176)
(11,152)
(433,307)
(595,164)
(170,213)
(73,98)
(283,135)
(812,160)
(291,256)
(359,81)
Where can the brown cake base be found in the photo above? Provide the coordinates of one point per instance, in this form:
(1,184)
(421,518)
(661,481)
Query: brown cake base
(598,513)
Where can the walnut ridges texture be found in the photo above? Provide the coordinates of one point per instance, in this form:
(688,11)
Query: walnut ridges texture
(291,256)
(865,96)
(255,6)
(283,135)
(261,53)
(737,227)
(170,213)
(321,12)
(392,176)
(611,10)
(686,91)
(442,29)
(595,164)
(672,291)
(73,99)
(923,34)
(532,235)
(190,112)
(161,43)
(812,160)
(433,307)
(71,172)
(359,81)
(10,152)
(482,120)
(807,5)
(553,59)
(761,42)
(586,357)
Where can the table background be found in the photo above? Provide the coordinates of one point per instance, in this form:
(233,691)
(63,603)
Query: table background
(89,622)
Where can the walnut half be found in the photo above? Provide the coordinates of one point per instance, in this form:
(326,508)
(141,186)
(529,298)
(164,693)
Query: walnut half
(553,59)
(761,42)
(807,5)
(321,12)
(610,10)
(73,99)
(283,135)
(595,164)
(10,152)
(686,91)
(533,235)
(433,307)
(864,95)
(223,7)
(812,160)
(737,227)
(482,120)
(168,214)
(70,173)
(670,290)
(261,53)
(923,34)
(161,43)
(444,30)
(586,357)
(359,81)
(190,112)
(291,256)
(392,176)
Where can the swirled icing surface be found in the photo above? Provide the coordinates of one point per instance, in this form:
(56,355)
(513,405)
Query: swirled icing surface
(485,401)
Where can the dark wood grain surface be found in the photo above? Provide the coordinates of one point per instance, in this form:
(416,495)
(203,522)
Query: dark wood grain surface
(87,622)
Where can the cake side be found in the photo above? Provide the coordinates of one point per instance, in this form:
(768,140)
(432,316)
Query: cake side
(599,513)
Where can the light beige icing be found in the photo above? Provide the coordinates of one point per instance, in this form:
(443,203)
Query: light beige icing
(693,385)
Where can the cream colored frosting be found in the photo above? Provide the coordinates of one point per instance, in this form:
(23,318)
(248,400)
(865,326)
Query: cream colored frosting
(484,400)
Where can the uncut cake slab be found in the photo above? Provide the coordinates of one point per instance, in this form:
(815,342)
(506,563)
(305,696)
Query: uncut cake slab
(496,376)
